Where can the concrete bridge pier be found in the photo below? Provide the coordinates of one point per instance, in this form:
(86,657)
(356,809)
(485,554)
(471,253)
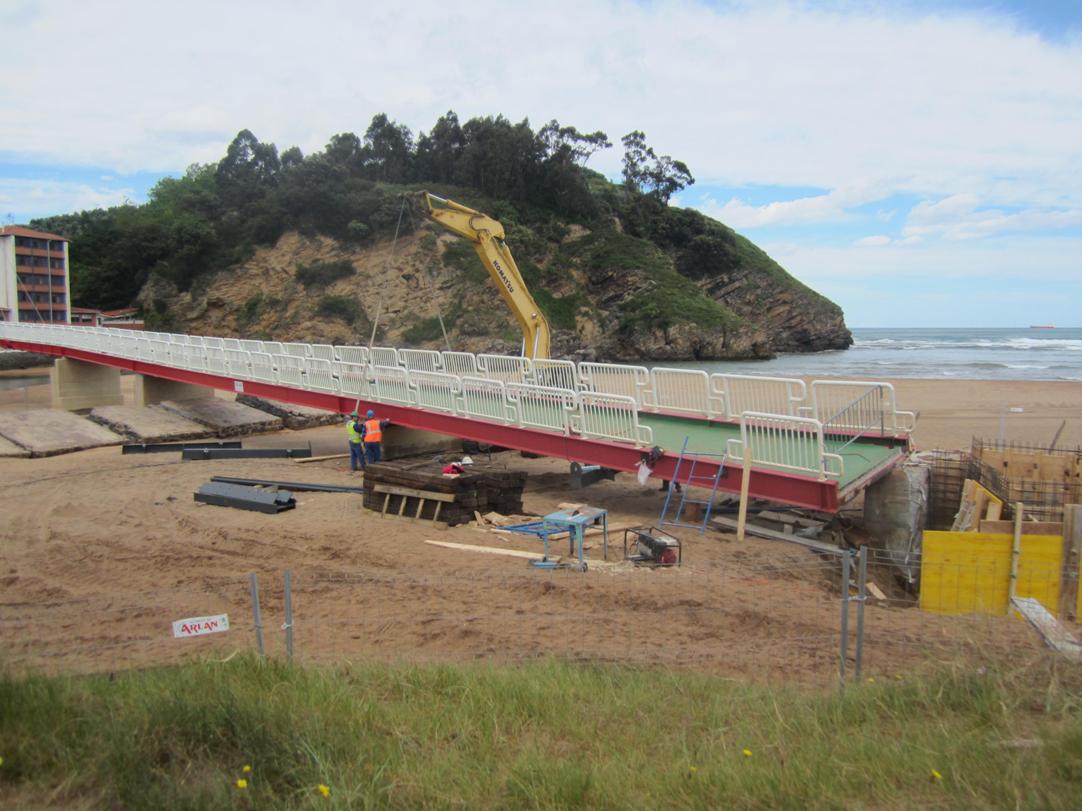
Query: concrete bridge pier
(151,390)
(77,385)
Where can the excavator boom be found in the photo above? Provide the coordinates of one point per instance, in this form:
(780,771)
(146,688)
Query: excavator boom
(487,236)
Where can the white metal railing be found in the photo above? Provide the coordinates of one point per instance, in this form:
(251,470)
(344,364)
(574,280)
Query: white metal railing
(440,392)
(542,407)
(591,399)
(421,360)
(353,379)
(611,416)
(859,407)
(486,399)
(390,384)
(685,391)
(463,364)
(559,374)
(772,395)
(506,368)
(786,443)
(615,378)
(386,356)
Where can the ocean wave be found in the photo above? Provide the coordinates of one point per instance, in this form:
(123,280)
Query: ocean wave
(1026,344)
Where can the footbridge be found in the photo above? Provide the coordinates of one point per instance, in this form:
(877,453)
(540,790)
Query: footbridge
(812,444)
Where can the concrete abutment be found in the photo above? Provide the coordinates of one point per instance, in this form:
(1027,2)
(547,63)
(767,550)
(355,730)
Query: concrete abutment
(78,385)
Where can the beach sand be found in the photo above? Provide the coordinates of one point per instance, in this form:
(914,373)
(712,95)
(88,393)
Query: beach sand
(100,552)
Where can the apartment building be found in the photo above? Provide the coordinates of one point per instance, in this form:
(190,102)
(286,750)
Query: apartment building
(34,281)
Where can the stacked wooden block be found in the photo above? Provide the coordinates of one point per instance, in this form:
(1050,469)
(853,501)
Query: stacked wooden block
(420,491)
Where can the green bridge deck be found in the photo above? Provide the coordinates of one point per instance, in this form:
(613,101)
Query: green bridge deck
(860,457)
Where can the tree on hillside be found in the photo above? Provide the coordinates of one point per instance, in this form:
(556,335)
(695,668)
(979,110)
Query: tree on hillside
(345,150)
(388,150)
(567,143)
(645,172)
(248,170)
(439,151)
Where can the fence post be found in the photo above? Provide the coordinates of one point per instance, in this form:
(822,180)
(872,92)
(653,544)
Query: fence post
(745,482)
(257,615)
(288,626)
(845,619)
(862,595)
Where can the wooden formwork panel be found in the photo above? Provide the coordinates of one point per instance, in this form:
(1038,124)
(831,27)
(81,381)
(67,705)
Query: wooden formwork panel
(969,572)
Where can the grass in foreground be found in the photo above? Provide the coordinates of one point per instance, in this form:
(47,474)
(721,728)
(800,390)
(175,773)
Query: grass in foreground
(542,735)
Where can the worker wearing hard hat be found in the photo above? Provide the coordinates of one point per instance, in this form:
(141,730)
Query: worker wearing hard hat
(372,435)
(355,430)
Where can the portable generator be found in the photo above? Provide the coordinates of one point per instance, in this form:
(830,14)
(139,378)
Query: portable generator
(649,546)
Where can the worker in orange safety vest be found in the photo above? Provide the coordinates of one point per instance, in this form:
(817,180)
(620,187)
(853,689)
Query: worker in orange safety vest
(372,435)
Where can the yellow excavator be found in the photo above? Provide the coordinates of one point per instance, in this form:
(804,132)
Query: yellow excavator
(487,236)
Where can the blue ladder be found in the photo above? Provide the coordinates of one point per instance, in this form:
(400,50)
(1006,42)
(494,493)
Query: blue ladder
(705,482)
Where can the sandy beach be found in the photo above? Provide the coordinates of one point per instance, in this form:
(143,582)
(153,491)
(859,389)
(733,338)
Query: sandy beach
(100,552)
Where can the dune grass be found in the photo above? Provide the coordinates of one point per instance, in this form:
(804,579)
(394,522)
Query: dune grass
(543,735)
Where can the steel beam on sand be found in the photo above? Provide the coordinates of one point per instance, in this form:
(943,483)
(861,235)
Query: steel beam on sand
(167,447)
(296,486)
(196,454)
(245,498)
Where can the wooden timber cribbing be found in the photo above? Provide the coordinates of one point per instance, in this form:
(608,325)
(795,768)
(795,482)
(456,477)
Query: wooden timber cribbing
(480,489)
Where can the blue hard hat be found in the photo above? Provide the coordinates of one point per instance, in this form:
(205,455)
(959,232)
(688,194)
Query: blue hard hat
(371,413)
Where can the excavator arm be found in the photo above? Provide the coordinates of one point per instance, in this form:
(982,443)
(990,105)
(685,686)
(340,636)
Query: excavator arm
(487,236)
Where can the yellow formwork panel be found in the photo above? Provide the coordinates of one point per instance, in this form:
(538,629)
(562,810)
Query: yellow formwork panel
(969,572)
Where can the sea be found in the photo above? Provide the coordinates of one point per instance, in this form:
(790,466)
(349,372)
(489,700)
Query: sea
(964,354)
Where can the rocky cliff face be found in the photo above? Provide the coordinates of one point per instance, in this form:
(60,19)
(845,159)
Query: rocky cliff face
(608,297)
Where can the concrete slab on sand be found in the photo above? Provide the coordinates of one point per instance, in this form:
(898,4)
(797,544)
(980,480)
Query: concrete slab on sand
(294,416)
(51,431)
(150,424)
(9,449)
(224,417)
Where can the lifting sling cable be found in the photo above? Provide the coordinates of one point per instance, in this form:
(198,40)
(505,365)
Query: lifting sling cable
(432,290)
(386,266)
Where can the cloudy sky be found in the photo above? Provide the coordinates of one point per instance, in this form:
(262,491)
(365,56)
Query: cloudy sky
(918,162)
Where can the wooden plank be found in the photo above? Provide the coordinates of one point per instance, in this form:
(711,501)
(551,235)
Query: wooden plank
(488,550)
(875,591)
(395,490)
(745,483)
(994,511)
(1054,635)
(723,524)
(1028,527)
(321,458)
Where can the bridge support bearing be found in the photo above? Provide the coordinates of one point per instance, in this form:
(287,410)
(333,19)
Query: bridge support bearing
(77,385)
(151,390)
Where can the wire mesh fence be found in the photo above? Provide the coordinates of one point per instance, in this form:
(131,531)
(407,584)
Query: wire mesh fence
(775,622)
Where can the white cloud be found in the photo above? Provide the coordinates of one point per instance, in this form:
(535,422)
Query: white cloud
(40,198)
(873,241)
(776,94)
(960,217)
(820,208)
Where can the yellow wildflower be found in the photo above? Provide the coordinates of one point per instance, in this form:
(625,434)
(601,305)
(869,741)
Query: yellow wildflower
(1,761)
(242,783)
(936,775)
(747,753)
(871,680)
(246,769)
(324,790)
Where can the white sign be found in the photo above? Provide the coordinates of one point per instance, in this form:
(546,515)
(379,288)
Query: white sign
(238,386)
(197,626)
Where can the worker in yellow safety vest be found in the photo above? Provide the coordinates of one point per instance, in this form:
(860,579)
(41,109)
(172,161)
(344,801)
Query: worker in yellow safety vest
(355,430)
(372,434)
